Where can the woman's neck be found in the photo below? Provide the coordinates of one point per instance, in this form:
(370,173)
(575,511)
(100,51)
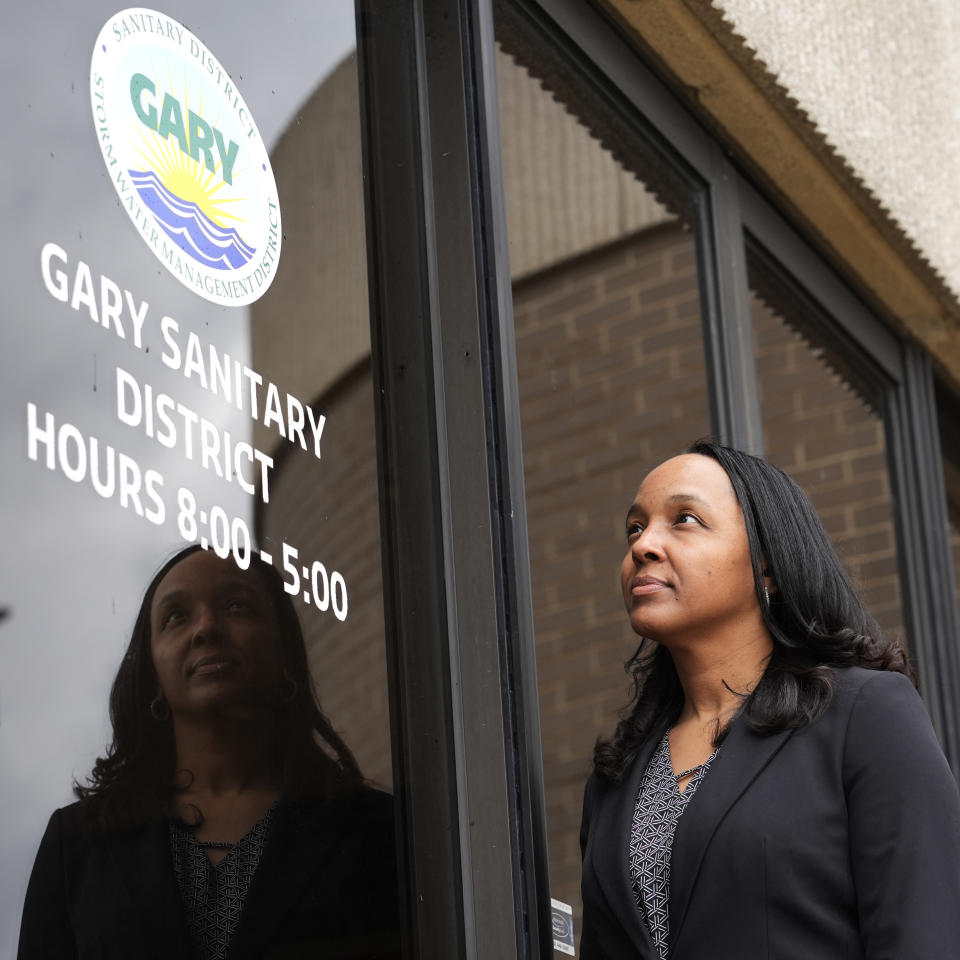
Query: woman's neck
(716,677)
(226,755)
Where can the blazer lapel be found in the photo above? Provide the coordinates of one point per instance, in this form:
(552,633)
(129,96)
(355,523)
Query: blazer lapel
(613,846)
(742,757)
(145,864)
(292,855)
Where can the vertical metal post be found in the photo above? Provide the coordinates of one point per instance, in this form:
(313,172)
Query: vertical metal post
(414,496)
(926,558)
(725,310)
(459,625)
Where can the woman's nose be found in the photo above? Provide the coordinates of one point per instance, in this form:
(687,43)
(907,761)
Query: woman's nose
(206,625)
(647,546)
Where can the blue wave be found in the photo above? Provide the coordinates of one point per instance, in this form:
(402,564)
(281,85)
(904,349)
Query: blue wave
(220,248)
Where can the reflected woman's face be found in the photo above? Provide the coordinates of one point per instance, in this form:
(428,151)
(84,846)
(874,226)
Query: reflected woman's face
(687,572)
(213,637)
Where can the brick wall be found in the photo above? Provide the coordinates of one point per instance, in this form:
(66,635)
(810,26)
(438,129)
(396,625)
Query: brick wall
(612,381)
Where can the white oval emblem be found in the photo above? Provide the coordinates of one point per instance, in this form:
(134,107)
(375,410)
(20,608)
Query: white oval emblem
(185,156)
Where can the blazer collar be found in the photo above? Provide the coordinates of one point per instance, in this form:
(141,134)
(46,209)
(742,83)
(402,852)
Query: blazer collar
(145,866)
(742,757)
(295,851)
(615,879)
(740,760)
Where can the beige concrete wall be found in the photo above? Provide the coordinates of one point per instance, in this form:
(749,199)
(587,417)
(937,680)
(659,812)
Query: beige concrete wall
(879,78)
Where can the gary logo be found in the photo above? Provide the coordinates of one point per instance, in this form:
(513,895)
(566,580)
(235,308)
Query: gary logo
(185,156)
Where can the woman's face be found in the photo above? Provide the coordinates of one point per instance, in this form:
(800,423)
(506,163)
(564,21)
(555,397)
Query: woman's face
(687,572)
(213,637)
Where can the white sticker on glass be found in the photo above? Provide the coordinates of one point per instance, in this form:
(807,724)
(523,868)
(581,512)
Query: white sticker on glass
(562,927)
(185,157)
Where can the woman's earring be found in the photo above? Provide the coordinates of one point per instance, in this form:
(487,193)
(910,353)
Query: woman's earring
(766,596)
(159,708)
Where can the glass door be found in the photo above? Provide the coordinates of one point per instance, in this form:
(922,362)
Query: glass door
(193,660)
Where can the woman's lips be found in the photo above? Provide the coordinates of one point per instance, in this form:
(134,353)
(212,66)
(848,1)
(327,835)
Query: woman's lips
(212,666)
(645,586)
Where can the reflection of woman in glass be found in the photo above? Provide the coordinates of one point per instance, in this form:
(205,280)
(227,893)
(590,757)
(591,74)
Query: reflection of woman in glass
(776,789)
(227,818)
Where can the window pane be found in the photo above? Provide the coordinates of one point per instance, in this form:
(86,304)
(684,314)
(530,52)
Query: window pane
(186,363)
(948,415)
(612,380)
(821,425)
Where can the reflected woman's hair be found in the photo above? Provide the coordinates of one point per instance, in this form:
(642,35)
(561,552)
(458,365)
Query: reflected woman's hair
(136,776)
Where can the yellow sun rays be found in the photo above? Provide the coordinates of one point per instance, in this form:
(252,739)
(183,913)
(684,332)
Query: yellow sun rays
(184,177)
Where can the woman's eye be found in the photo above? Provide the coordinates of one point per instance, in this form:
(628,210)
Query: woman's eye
(170,617)
(686,517)
(633,531)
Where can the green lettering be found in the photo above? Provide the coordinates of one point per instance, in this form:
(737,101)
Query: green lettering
(171,121)
(139,83)
(201,139)
(196,138)
(228,157)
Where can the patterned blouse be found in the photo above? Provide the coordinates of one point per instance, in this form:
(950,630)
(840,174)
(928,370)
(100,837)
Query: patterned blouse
(659,805)
(213,895)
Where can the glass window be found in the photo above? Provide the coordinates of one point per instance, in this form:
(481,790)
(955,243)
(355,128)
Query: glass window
(822,426)
(186,364)
(612,380)
(948,413)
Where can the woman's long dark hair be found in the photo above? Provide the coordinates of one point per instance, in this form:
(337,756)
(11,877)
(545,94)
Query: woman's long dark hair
(135,779)
(815,618)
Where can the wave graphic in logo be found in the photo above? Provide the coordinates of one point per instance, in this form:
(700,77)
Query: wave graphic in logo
(216,247)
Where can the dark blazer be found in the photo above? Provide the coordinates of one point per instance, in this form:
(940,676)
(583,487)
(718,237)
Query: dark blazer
(838,840)
(325,887)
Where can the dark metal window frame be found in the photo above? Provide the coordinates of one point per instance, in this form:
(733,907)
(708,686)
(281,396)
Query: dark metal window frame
(464,711)
(465,724)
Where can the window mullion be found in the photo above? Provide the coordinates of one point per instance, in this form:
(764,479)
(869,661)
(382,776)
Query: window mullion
(926,556)
(727,322)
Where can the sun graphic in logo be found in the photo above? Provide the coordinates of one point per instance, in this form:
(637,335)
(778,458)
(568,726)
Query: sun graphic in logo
(189,180)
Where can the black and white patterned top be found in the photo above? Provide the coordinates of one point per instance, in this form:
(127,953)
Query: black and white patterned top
(213,895)
(658,808)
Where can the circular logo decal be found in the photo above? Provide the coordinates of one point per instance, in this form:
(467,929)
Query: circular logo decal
(185,156)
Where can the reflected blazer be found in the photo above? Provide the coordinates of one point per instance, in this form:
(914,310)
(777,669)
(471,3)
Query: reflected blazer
(838,840)
(325,887)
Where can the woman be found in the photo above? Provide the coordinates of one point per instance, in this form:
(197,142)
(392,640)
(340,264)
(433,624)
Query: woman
(776,789)
(228,819)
